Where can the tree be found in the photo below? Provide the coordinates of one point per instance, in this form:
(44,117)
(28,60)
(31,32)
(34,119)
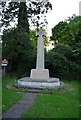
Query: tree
(64,50)
(20,52)
(17,46)
(36,9)
(60,63)
(9,11)
(68,32)
(23,17)
(0,51)
(57,31)
(65,59)
(37,12)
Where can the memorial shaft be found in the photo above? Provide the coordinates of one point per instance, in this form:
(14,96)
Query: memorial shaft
(40,52)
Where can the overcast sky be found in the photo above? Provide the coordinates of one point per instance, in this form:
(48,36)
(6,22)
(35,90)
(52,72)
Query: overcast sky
(62,9)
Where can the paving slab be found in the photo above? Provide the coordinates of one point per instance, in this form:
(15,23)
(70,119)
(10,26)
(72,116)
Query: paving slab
(20,107)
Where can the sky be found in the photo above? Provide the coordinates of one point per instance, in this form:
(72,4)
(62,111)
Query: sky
(62,9)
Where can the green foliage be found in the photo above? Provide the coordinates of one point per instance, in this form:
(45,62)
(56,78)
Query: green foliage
(68,32)
(57,31)
(0,51)
(9,93)
(50,91)
(19,45)
(64,50)
(60,63)
(65,59)
(0,93)
(23,17)
(56,64)
(46,40)
(19,51)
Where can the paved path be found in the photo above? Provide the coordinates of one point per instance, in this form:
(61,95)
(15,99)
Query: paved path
(16,110)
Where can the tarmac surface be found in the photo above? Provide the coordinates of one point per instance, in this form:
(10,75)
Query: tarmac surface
(20,107)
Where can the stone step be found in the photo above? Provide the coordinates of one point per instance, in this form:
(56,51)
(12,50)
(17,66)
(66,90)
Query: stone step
(29,88)
(17,85)
(39,85)
(34,90)
(28,79)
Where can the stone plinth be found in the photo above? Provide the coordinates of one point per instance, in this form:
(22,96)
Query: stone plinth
(51,83)
(39,74)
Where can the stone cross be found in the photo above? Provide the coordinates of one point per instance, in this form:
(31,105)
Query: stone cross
(40,49)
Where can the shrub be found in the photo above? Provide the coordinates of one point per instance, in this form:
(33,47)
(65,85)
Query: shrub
(60,66)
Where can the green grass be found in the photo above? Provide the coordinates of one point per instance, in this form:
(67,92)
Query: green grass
(0,96)
(9,93)
(62,103)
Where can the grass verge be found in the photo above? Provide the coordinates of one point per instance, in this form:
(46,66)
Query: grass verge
(62,103)
(10,94)
(0,96)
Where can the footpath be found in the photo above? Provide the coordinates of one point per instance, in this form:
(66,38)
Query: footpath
(20,107)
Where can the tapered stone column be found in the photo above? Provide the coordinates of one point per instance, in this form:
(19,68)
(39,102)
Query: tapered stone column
(40,49)
(40,72)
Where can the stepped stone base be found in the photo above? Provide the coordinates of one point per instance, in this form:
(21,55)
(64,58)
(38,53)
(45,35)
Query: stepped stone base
(51,83)
(39,74)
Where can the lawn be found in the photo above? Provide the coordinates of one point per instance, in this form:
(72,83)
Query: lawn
(9,93)
(0,96)
(62,103)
